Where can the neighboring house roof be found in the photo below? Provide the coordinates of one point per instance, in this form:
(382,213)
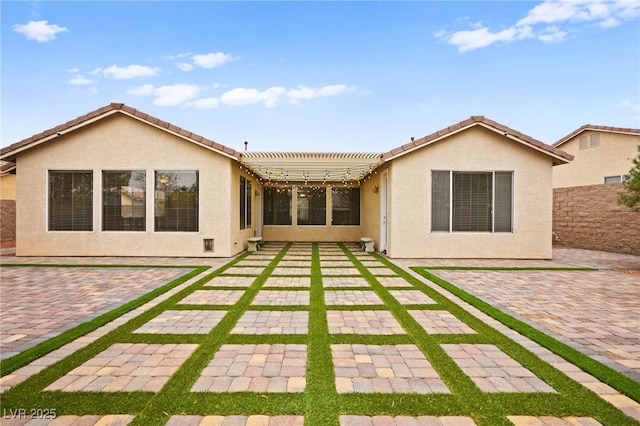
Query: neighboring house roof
(559,156)
(591,127)
(6,167)
(113,108)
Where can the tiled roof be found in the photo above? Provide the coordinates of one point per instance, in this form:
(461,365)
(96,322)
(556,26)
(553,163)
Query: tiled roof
(587,127)
(475,120)
(108,110)
(6,167)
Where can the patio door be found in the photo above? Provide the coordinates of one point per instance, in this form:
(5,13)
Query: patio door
(384,211)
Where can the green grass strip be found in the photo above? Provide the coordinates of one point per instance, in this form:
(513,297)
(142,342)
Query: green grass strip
(602,372)
(11,364)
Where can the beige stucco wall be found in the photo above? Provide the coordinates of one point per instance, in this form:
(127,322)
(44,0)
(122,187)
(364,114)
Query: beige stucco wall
(239,236)
(476,149)
(119,142)
(614,156)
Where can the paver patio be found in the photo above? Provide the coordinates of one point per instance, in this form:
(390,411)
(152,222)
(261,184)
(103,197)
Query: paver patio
(240,341)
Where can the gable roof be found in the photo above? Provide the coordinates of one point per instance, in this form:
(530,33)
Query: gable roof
(293,166)
(588,127)
(559,156)
(113,108)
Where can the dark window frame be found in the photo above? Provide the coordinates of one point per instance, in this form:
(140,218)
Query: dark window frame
(70,200)
(176,201)
(124,200)
(472,201)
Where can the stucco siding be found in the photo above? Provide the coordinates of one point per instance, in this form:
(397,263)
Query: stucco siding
(122,143)
(612,157)
(476,149)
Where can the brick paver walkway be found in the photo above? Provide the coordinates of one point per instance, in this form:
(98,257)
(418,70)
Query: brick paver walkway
(597,312)
(384,369)
(41,302)
(126,367)
(256,338)
(255,368)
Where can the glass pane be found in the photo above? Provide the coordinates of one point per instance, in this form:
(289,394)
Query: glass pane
(124,200)
(345,206)
(440,200)
(472,201)
(248,204)
(312,205)
(243,202)
(176,200)
(503,216)
(70,201)
(277,206)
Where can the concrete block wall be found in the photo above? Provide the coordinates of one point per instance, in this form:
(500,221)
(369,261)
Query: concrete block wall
(7,222)
(589,217)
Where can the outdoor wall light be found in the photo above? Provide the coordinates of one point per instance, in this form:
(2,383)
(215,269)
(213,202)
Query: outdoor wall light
(375,189)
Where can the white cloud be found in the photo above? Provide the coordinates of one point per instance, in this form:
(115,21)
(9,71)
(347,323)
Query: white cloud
(482,37)
(80,80)
(175,94)
(633,108)
(184,66)
(130,71)
(40,31)
(73,70)
(241,96)
(145,89)
(552,34)
(305,92)
(603,13)
(212,60)
(204,103)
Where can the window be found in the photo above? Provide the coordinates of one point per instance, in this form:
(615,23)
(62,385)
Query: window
(471,201)
(277,205)
(312,205)
(345,206)
(70,201)
(613,179)
(245,203)
(176,200)
(124,200)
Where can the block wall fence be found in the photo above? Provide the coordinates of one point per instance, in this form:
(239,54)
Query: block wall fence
(7,221)
(589,217)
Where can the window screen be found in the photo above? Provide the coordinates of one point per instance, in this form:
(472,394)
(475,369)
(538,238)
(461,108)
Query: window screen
(176,201)
(277,205)
(345,206)
(124,200)
(312,205)
(70,201)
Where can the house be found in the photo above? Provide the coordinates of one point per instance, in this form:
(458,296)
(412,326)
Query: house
(119,182)
(586,212)
(7,204)
(602,154)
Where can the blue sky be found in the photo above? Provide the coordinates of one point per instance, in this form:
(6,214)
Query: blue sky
(323,76)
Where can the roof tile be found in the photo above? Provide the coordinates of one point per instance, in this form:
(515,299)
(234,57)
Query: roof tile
(125,109)
(474,120)
(592,127)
